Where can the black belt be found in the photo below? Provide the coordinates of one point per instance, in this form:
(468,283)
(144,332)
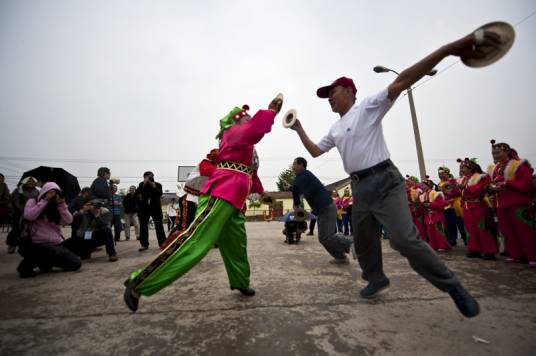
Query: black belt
(357,176)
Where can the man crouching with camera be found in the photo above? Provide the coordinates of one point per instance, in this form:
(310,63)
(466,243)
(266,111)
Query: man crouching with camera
(93,229)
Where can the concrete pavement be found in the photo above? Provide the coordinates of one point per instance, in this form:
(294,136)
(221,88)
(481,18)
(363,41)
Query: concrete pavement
(303,306)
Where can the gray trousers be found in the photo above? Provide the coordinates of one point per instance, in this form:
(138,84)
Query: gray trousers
(335,244)
(381,199)
(132,219)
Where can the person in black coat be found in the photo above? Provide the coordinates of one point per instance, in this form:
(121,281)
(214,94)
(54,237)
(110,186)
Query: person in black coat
(100,189)
(149,193)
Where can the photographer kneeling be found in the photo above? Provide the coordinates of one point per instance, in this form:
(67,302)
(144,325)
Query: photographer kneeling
(93,230)
(41,243)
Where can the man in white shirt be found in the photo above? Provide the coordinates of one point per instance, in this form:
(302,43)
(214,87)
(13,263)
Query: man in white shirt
(377,184)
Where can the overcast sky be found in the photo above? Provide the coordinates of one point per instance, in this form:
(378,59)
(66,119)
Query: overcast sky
(141,85)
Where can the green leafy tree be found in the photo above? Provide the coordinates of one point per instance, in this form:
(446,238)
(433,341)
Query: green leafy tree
(254,203)
(285,180)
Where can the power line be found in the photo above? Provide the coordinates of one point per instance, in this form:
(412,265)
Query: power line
(459,61)
(526,18)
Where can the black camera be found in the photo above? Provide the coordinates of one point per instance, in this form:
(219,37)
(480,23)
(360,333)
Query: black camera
(96,203)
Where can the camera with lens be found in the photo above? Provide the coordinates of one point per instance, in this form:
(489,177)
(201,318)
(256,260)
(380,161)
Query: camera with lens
(96,203)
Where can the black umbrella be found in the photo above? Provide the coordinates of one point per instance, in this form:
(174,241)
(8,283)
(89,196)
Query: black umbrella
(67,182)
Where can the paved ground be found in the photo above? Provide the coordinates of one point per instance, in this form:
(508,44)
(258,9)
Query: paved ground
(303,306)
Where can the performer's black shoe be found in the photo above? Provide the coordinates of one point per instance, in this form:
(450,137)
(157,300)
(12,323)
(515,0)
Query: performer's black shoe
(488,256)
(465,302)
(245,291)
(130,299)
(373,289)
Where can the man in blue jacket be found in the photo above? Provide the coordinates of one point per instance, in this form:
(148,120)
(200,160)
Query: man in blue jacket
(319,199)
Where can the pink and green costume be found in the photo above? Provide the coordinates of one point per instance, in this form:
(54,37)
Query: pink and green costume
(513,205)
(476,217)
(434,220)
(219,219)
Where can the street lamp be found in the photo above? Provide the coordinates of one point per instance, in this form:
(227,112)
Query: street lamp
(418,144)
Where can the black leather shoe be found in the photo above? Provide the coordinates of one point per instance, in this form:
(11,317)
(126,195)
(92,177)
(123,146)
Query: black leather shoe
(130,299)
(25,271)
(488,256)
(373,289)
(45,268)
(245,291)
(465,302)
(27,274)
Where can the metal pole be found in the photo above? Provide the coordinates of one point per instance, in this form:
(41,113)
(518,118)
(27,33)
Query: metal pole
(420,156)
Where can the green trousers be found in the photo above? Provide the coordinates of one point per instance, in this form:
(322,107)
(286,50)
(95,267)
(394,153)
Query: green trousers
(216,221)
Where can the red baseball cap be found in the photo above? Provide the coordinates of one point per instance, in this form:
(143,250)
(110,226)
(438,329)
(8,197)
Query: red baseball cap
(342,81)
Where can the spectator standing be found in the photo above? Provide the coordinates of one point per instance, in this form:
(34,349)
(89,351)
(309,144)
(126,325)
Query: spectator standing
(171,214)
(130,208)
(149,193)
(116,213)
(4,201)
(26,190)
(100,189)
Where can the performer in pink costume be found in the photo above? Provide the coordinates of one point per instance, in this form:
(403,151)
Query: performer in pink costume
(219,217)
(512,187)
(482,241)
(414,191)
(434,203)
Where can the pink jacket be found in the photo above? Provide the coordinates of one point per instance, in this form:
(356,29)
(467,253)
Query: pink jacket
(519,185)
(474,190)
(434,212)
(43,231)
(237,146)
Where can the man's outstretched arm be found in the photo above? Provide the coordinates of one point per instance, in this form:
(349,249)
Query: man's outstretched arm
(465,46)
(313,149)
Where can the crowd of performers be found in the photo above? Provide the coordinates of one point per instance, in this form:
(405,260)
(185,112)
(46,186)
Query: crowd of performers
(482,206)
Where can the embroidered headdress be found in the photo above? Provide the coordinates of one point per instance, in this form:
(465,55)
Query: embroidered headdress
(231,118)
